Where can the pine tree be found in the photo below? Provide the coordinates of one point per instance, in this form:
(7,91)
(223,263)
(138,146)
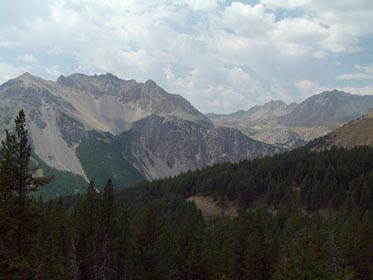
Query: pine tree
(257,259)
(148,234)
(126,253)
(92,254)
(17,182)
(105,238)
(108,210)
(241,245)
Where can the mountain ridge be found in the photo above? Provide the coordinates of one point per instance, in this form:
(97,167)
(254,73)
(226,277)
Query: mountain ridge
(63,115)
(162,146)
(150,132)
(276,122)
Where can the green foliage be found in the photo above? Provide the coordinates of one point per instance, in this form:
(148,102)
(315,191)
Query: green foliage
(64,183)
(330,179)
(17,182)
(101,160)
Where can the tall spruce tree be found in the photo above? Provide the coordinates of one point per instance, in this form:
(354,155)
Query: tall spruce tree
(17,181)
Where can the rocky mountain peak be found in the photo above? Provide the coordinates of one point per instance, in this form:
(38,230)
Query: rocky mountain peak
(28,79)
(275,104)
(164,146)
(151,84)
(331,95)
(61,113)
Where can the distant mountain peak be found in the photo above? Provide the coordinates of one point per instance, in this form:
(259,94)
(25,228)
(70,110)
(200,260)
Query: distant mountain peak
(27,76)
(334,92)
(150,83)
(275,104)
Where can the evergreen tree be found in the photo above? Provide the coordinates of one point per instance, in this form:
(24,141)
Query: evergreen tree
(148,234)
(17,182)
(105,239)
(108,210)
(258,258)
(241,245)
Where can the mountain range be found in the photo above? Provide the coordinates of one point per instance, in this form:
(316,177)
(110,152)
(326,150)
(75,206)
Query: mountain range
(95,127)
(291,125)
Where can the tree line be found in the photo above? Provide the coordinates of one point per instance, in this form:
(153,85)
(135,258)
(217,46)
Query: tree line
(152,232)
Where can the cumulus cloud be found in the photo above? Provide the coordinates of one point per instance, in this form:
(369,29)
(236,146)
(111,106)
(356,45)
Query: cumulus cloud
(308,88)
(9,71)
(367,90)
(29,59)
(221,55)
(54,70)
(364,73)
(248,20)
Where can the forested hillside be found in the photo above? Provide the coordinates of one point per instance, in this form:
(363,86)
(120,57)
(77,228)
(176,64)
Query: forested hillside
(315,221)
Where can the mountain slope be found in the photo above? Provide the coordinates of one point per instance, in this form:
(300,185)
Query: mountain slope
(111,104)
(101,159)
(101,126)
(358,132)
(60,113)
(161,147)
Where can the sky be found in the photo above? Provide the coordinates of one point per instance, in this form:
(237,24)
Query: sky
(222,56)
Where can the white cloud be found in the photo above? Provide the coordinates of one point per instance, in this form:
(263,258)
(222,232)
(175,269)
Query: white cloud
(285,4)
(232,54)
(368,90)
(29,60)
(232,88)
(248,20)
(54,70)
(367,69)
(199,5)
(308,88)
(354,76)
(10,71)
(364,73)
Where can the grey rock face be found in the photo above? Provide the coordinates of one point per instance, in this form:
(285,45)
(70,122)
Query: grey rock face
(42,107)
(143,98)
(60,114)
(72,131)
(162,147)
(36,117)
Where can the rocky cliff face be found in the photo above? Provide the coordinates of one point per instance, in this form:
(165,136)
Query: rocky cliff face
(110,104)
(60,113)
(43,107)
(292,125)
(162,147)
(165,134)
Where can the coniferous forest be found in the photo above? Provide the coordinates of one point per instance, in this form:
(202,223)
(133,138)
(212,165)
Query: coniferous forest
(314,221)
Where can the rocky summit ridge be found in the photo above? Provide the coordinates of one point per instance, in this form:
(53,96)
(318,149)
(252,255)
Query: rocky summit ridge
(279,123)
(164,134)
